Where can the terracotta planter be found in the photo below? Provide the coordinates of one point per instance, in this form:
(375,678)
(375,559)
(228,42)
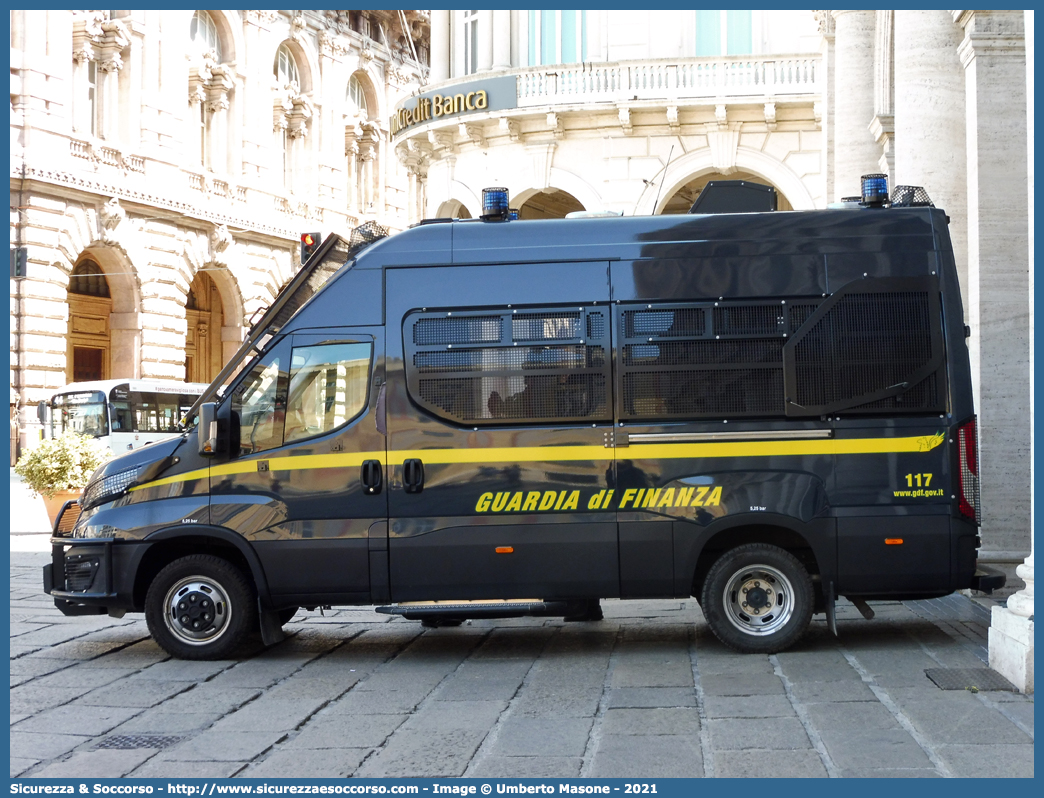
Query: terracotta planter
(54,506)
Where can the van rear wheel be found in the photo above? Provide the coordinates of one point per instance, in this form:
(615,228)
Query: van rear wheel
(757,598)
(200,607)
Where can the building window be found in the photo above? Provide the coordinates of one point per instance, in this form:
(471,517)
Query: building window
(723,33)
(470,42)
(92,96)
(557,37)
(285,68)
(356,97)
(203,35)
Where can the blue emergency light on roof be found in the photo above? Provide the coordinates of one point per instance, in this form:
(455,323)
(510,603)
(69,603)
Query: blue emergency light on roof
(494,203)
(513,214)
(875,189)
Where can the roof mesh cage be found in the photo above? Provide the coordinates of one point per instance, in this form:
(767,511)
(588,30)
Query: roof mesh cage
(911,197)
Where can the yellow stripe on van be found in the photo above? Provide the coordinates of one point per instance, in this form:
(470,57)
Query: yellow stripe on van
(545,454)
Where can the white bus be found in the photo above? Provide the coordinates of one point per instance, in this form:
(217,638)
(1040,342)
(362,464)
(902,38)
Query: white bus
(125,414)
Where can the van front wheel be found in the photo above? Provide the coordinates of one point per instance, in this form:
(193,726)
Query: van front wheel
(757,599)
(200,607)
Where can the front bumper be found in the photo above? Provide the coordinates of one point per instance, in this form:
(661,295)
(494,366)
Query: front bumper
(92,576)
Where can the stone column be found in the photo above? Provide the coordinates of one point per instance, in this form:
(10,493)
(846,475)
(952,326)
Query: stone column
(351,157)
(440,46)
(1011,627)
(485,41)
(855,151)
(825,21)
(502,39)
(993,54)
(930,119)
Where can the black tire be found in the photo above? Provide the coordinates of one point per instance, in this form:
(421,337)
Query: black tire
(774,619)
(218,605)
(284,616)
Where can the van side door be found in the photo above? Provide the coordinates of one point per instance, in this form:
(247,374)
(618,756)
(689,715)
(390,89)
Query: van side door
(304,482)
(499,414)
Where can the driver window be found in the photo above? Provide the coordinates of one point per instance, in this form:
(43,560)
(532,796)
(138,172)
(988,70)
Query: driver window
(327,388)
(259,403)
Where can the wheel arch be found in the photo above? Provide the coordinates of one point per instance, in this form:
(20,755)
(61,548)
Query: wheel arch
(169,544)
(813,543)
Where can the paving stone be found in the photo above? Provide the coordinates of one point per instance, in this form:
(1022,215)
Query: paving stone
(307,764)
(660,674)
(180,670)
(162,767)
(652,697)
(41,746)
(664,720)
(856,749)
(523,736)
(20,764)
(798,764)
(731,664)
(527,767)
(647,757)
(30,698)
(741,684)
(268,714)
(851,715)
(568,705)
(260,671)
(439,715)
(359,702)
(988,761)
(832,692)
(345,731)
(219,746)
(84,678)
(24,669)
(209,698)
(748,706)
(512,644)
(890,773)
(409,753)
(133,694)
(757,733)
(79,720)
(967,722)
(158,721)
(103,764)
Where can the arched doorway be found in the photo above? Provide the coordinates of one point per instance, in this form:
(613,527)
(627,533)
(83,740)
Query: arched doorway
(550,204)
(90,306)
(454,209)
(204,316)
(683,198)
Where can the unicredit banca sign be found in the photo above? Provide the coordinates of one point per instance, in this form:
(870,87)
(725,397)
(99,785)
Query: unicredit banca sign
(462,99)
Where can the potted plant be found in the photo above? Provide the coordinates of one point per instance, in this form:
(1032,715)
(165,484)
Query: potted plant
(58,468)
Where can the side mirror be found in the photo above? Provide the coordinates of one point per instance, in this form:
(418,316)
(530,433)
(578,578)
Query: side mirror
(209,441)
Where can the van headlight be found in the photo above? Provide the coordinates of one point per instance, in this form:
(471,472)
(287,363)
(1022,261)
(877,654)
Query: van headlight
(108,488)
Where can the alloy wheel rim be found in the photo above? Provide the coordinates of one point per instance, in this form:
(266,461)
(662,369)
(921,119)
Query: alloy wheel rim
(197,610)
(758,600)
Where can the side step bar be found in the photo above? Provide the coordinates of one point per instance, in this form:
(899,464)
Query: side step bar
(464,610)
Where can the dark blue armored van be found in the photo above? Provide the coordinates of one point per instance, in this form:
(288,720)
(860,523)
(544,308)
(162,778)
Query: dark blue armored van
(493,418)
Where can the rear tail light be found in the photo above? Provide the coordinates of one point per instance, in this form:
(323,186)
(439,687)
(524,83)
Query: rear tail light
(968,470)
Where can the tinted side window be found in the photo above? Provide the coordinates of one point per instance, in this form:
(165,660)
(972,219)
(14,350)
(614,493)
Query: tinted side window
(259,403)
(327,387)
(522,365)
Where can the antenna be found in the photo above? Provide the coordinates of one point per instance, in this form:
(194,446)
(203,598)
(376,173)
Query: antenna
(657,200)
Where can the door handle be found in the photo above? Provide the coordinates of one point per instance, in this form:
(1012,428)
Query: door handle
(413,475)
(372,478)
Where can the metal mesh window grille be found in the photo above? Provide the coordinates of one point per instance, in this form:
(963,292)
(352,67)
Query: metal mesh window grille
(545,326)
(463,367)
(869,344)
(706,360)
(458,330)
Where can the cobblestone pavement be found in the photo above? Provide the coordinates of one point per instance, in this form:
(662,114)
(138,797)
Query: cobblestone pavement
(648,692)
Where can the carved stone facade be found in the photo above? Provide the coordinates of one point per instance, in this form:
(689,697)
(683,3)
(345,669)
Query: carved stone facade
(149,145)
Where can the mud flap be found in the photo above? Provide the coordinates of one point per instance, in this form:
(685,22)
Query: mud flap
(829,600)
(271,630)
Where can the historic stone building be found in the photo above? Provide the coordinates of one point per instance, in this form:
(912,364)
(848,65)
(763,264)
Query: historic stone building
(164,165)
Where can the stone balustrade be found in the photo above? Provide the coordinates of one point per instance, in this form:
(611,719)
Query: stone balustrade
(682,79)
